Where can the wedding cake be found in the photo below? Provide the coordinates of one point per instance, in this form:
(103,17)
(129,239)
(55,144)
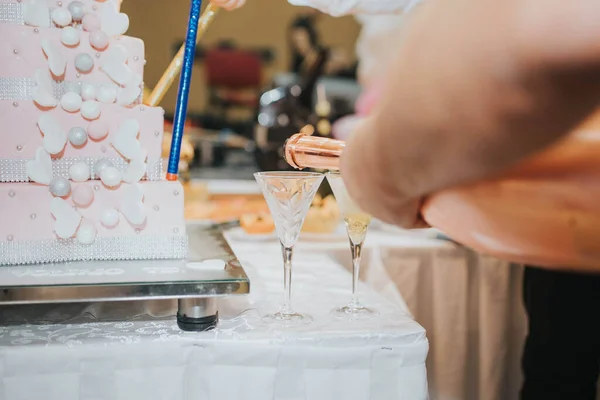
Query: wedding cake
(80,157)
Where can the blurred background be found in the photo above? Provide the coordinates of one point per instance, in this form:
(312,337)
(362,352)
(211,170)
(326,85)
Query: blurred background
(262,72)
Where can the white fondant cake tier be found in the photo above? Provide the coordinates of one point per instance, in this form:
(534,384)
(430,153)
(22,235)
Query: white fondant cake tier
(21,136)
(149,222)
(22,54)
(75,145)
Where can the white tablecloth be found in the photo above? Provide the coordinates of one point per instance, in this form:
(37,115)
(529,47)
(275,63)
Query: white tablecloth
(469,304)
(381,359)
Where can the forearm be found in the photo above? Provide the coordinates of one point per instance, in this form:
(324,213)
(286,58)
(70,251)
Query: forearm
(345,7)
(460,107)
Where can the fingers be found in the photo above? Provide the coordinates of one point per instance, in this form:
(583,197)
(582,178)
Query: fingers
(229,4)
(344,127)
(369,182)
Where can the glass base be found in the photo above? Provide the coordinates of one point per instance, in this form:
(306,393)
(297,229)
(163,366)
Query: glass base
(355,312)
(293,319)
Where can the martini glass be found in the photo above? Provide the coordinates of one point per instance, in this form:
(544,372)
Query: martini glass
(289,196)
(357,223)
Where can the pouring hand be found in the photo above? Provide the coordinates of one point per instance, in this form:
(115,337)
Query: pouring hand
(228,4)
(475,86)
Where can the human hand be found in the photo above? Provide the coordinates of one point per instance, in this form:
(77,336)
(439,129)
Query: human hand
(228,4)
(475,86)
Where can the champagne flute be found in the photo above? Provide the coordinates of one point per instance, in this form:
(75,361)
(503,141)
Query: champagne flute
(289,196)
(357,223)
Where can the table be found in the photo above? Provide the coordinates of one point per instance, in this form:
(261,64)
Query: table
(470,305)
(150,358)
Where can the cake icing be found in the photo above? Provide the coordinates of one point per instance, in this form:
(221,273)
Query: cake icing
(80,156)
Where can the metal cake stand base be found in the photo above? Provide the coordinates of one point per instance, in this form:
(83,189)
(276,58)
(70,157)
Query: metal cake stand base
(123,290)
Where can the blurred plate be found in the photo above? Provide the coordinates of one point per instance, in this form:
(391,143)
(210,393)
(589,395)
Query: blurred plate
(339,234)
(243,236)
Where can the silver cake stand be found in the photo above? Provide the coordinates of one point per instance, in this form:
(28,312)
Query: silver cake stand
(123,290)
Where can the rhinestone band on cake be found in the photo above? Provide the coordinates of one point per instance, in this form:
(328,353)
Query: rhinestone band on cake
(12,13)
(16,170)
(22,88)
(103,249)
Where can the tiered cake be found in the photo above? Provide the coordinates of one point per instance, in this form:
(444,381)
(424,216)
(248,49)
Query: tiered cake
(80,157)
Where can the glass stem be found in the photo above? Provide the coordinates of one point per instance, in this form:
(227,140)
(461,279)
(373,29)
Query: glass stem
(356,255)
(287,279)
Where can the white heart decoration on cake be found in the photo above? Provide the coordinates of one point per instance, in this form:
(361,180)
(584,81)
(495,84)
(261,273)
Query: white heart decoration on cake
(112,22)
(57,62)
(133,207)
(55,138)
(86,234)
(132,91)
(114,64)
(125,141)
(36,13)
(134,172)
(39,170)
(42,92)
(67,218)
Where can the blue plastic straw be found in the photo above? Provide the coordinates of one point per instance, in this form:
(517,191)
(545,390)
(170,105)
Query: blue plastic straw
(184,89)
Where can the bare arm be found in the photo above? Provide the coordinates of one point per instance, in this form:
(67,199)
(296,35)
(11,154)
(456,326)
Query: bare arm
(345,7)
(475,86)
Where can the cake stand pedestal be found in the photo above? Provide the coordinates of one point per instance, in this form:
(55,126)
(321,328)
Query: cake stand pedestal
(123,290)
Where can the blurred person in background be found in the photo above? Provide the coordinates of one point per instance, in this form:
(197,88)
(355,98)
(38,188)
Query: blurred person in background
(305,48)
(541,61)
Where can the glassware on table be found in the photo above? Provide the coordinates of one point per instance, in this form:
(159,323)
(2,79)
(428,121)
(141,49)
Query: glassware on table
(357,223)
(289,196)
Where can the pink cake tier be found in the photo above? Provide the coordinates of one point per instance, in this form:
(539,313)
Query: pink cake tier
(20,137)
(32,220)
(22,54)
(13,13)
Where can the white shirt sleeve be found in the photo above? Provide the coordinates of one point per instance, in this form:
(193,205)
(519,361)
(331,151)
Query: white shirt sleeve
(338,8)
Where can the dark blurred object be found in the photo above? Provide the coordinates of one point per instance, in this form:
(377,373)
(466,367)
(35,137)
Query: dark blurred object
(266,55)
(284,110)
(303,41)
(233,79)
(233,83)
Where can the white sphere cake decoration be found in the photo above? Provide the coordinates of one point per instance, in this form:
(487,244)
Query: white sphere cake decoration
(91,22)
(79,172)
(72,87)
(77,10)
(99,40)
(88,92)
(97,130)
(83,195)
(70,36)
(84,62)
(90,110)
(107,94)
(100,165)
(78,136)
(71,102)
(61,17)
(60,187)
(109,218)
(110,176)
(86,234)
